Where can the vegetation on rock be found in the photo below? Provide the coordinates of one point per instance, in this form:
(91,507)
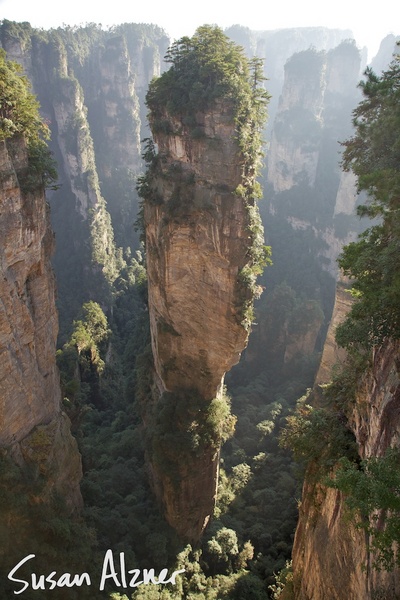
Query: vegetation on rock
(370,486)
(204,69)
(19,116)
(373,154)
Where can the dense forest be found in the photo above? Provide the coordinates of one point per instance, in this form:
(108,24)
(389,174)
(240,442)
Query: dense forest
(92,85)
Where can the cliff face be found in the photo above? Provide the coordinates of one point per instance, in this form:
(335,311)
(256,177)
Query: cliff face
(277,46)
(294,145)
(197,242)
(332,354)
(329,554)
(331,558)
(314,115)
(33,427)
(318,86)
(91,84)
(199,247)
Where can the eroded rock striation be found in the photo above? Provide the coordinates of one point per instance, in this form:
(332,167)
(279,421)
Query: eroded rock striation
(197,241)
(34,430)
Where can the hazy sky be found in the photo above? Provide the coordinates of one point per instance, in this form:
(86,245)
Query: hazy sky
(179,17)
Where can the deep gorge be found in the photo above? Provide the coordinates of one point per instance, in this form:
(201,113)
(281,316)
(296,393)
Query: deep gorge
(118,327)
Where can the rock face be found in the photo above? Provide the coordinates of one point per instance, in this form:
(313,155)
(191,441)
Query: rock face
(332,354)
(331,558)
(197,242)
(317,87)
(277,46)
(33,427)
(200,246)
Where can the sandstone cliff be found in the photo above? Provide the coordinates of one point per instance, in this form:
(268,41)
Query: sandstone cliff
(34,430)
(197,245)
(331,557)
(277,46)
(346,543)
(314,115)
(332,354)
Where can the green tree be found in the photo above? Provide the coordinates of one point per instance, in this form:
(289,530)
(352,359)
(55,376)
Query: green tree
(373,154)
(223,550)
(19,116)
(203,68)
(81,361)
(90,334)
(318,435)
(372,492)
(19,109)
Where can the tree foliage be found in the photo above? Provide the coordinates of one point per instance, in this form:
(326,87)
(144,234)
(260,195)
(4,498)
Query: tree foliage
(19,109)
(372,492)
(19,116)
(205,68)
(318,435)
(373,154)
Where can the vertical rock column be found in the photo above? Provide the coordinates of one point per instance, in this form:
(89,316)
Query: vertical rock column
(198,241)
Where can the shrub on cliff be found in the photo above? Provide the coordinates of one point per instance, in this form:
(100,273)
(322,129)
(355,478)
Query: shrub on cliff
(19,109)
(373,499)
(318,436)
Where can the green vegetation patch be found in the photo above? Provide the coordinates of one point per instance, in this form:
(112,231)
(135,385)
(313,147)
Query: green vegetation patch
(184,426)
(19,116)
(372,491)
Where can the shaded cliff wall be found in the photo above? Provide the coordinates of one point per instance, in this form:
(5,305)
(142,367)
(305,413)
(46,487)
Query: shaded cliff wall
(309,210)
(91,85)
(318,95)
(331,556)
(34,430)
